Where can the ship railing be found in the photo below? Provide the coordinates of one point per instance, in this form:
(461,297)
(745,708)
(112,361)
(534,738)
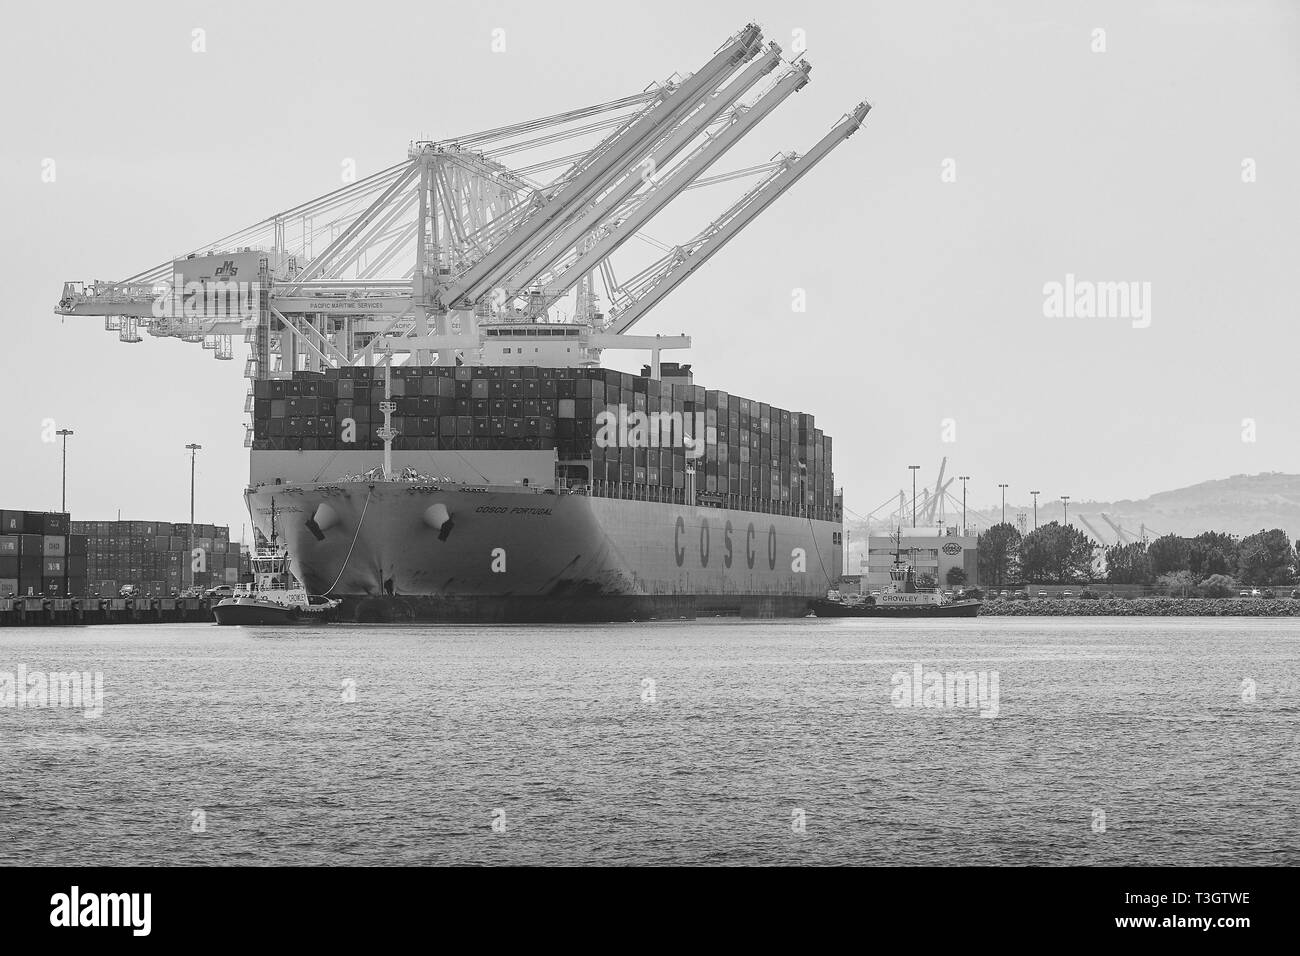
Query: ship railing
(518,487)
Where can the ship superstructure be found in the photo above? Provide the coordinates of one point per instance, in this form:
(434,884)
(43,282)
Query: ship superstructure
(405,330)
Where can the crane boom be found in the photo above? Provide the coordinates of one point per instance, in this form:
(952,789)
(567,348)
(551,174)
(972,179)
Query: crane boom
(682,264)
(681,178)
(1095,533)
(939,490)
(632,180)
(1121,536)
(616,154)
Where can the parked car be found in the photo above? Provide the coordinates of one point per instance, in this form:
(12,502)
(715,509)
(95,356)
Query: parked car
(1066,594)
(1244,593)
(1269,593)
(1020,596)
(128,591)
(1002,594)
(1254,592)
(219,592)
(1042,593)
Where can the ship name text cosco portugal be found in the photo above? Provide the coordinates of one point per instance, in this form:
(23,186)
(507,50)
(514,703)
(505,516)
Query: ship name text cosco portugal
(756,548)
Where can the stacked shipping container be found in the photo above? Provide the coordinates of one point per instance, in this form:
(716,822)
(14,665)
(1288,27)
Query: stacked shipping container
(39,556)
(759,457)
(155,555)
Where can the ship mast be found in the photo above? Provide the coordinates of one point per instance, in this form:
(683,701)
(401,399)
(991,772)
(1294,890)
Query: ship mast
(388,407)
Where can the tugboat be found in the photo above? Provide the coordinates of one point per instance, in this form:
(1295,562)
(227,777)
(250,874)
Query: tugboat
(275,597)
(900,598)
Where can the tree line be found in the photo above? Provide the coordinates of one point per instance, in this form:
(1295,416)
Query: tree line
(1214,562)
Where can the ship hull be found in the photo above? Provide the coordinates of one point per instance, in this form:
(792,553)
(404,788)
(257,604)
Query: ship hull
(248,614)
(397,551)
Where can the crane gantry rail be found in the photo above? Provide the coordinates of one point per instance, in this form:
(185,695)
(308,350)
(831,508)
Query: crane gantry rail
(435,256)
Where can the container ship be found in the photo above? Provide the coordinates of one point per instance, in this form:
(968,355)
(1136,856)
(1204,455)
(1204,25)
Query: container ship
(525,493)
(432,418)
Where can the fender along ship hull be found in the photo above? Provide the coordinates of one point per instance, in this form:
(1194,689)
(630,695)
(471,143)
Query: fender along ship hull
(386,549)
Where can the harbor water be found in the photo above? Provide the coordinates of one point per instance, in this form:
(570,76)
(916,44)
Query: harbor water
(1085,741)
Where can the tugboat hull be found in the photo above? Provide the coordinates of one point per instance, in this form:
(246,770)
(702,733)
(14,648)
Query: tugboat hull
(245,613)
(956,609)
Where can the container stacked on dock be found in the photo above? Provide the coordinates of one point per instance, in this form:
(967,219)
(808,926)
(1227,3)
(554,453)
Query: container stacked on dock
(154,555)
(757,457)
(39,556)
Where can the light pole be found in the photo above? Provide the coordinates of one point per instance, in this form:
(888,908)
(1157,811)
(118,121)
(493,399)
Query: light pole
(1065,500)
(1004,503)
(964,479)
(1035,494)
(914,470)
(64,433)
(193,450)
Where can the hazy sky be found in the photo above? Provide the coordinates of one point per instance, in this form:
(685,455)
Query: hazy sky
(925,296)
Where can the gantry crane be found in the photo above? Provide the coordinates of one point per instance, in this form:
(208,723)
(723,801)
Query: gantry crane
(451,257)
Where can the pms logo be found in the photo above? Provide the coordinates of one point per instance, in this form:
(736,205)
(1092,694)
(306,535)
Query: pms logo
(227,268)
(952,548)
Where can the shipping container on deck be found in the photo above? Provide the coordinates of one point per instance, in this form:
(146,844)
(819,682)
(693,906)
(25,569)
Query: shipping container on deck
(54,523)
(767,457)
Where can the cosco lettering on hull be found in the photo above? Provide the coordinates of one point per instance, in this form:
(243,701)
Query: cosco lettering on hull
(728,555)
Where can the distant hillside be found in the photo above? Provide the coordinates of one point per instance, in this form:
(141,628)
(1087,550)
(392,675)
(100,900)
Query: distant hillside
(1242,504)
